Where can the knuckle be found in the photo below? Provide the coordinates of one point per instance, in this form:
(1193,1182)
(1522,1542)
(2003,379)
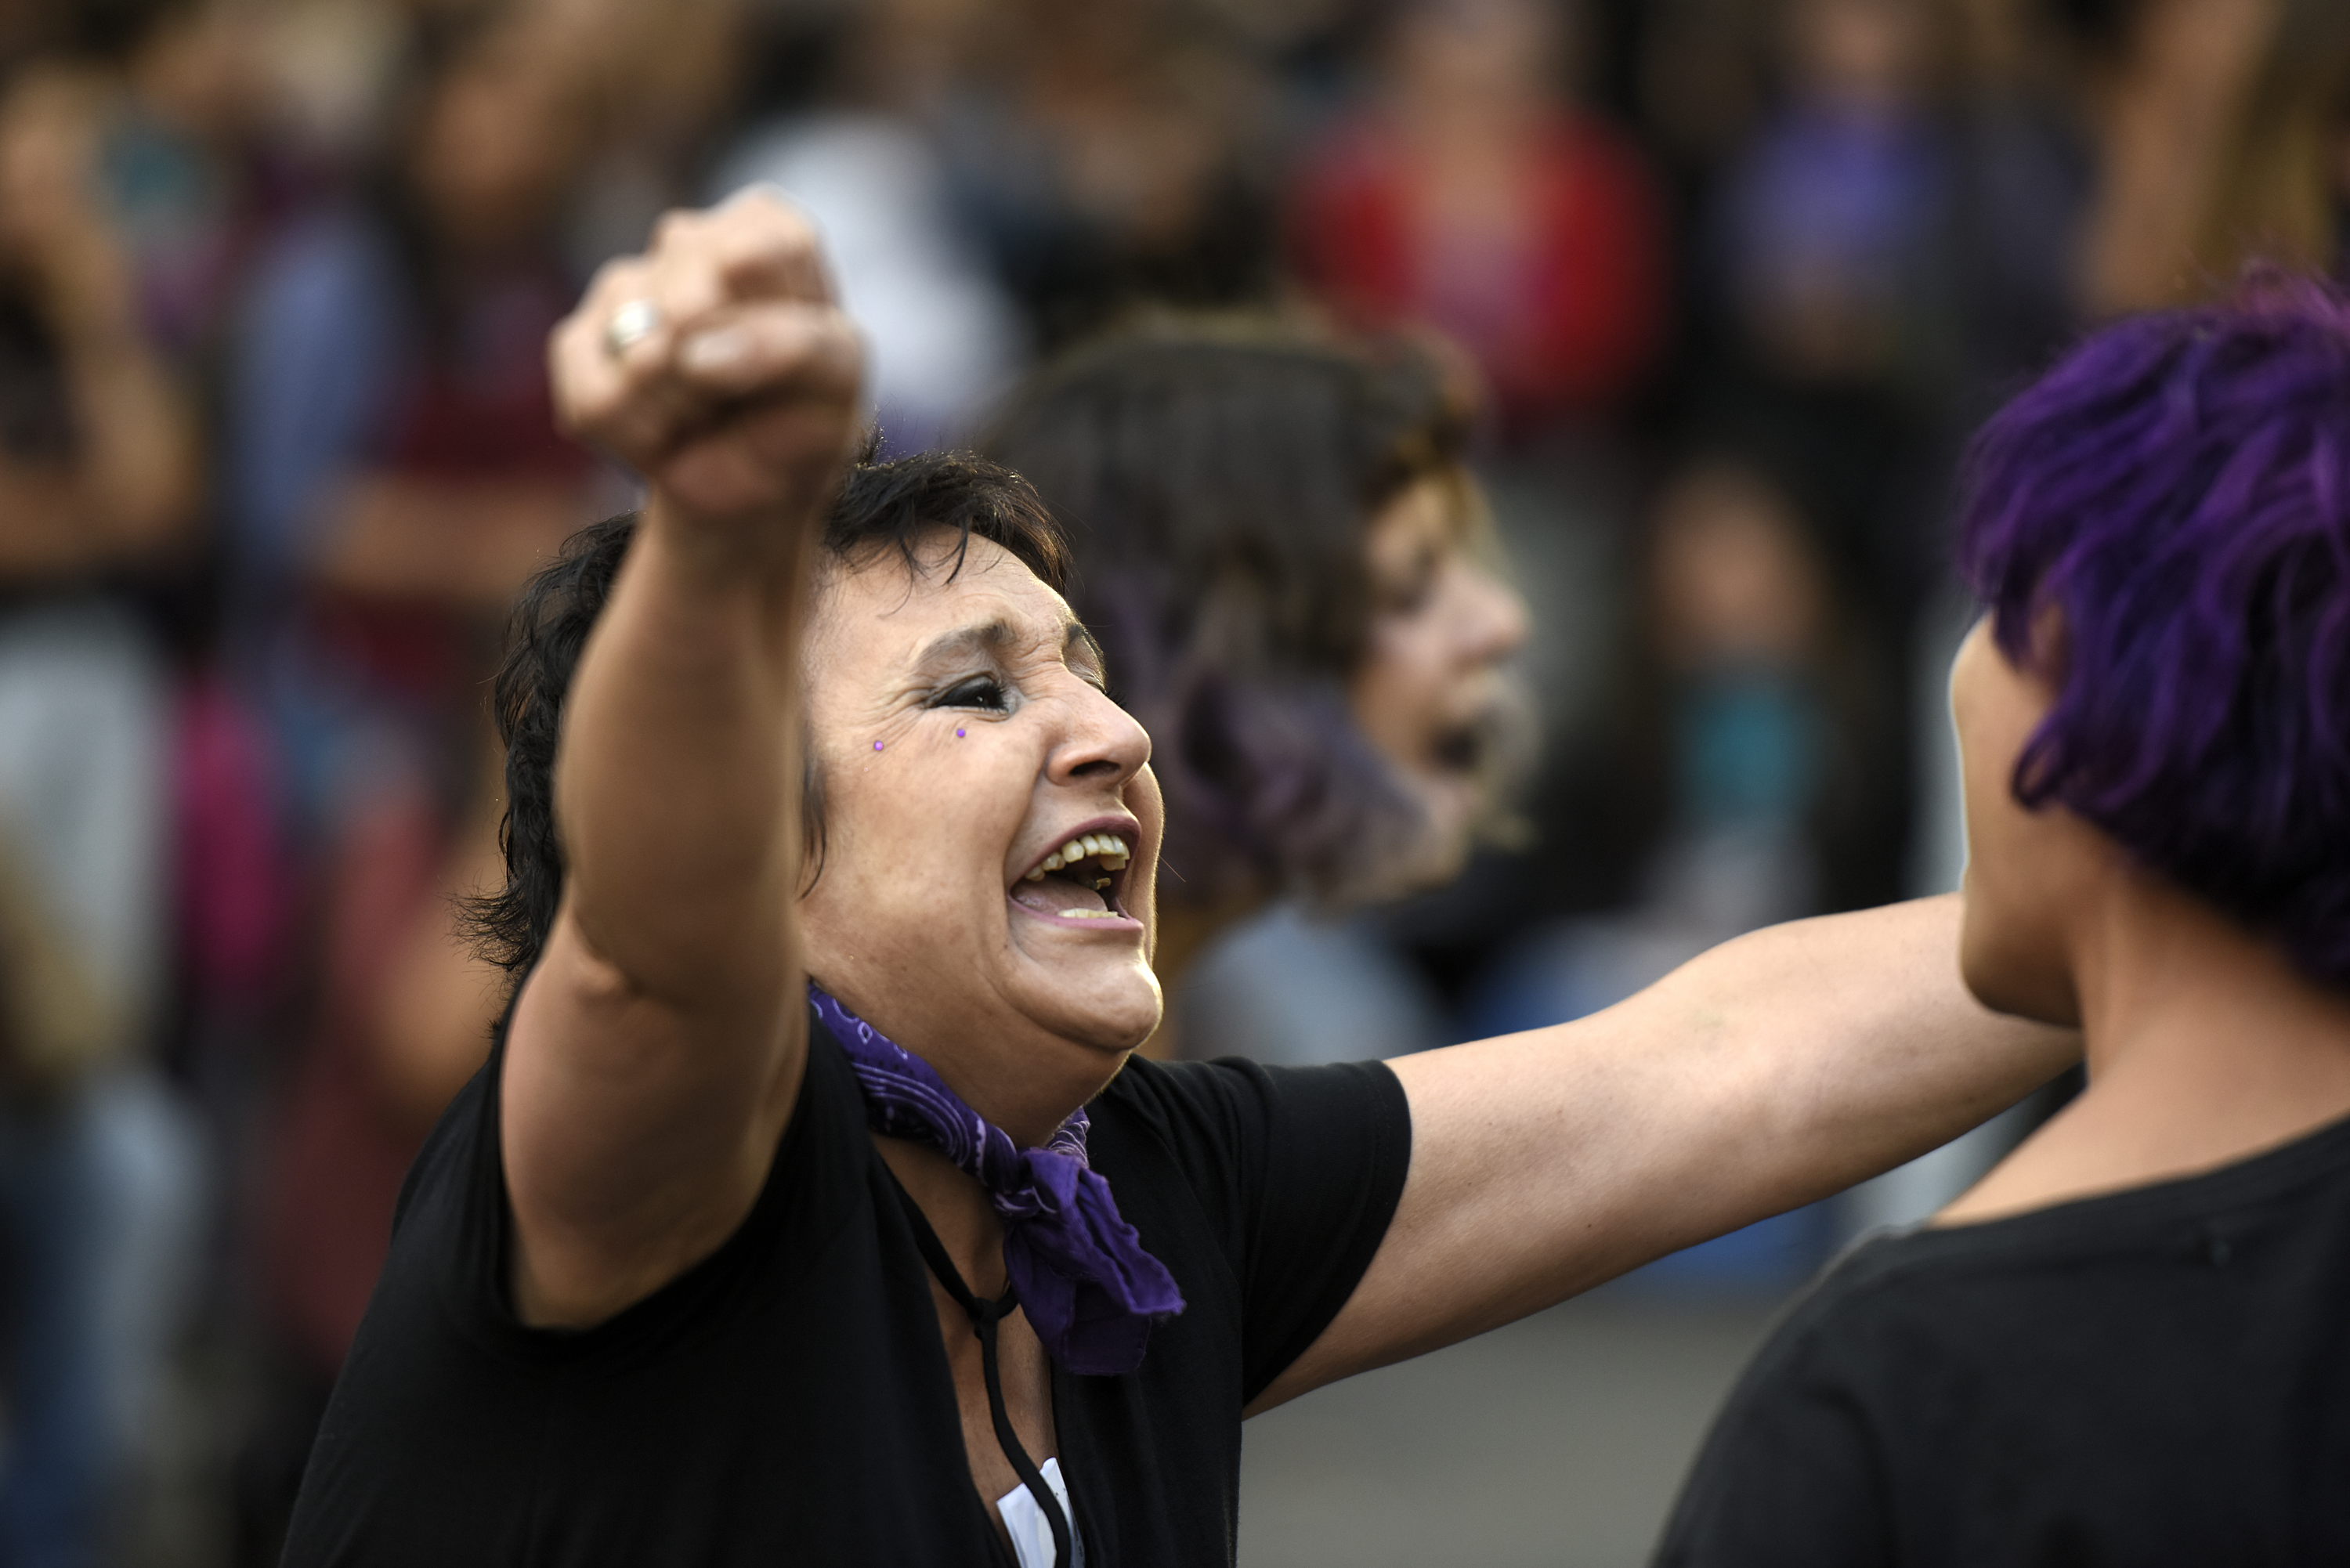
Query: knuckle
(769,203)
(787,221)
(763,196)
(612,277)
(776,228)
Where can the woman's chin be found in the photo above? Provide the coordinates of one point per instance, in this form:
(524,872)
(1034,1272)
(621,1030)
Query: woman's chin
(1451,805)
(1111,1013)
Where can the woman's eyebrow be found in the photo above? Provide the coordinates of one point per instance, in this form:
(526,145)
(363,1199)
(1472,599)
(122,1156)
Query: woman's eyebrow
(988,637)
(994,638)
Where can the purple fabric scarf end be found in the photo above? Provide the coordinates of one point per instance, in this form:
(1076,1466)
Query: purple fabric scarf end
(1090,1289)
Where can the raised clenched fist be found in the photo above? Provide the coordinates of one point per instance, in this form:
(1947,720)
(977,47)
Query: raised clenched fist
(719,366)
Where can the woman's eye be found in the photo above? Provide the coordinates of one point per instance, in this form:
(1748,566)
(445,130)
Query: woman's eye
(1409,593)
(1408,598)
(979,691)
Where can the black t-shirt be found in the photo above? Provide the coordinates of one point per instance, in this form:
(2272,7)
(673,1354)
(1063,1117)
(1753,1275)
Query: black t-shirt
(787,1400)
(2159,1376)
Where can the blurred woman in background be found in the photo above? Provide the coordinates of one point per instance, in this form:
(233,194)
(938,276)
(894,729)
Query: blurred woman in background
(98,480)
(1288,563)
(1732,751)
(1109,155)
(395,474)
(1470,192)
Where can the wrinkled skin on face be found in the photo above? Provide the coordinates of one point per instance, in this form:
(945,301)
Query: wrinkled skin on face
(962,736)
(2028,872)
(1433,678)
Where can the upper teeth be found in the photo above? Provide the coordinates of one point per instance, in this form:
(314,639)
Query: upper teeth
(1106,848)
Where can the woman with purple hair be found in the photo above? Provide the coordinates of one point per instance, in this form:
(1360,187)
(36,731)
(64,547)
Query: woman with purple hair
(2130,1343)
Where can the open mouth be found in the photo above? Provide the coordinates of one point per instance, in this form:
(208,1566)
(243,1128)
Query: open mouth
(1462,749)
(1491,746)
(1081,880)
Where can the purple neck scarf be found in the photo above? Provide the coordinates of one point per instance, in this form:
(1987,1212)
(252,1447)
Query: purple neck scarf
(1090,1290)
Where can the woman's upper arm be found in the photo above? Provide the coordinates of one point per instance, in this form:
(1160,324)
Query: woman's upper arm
(636,1134)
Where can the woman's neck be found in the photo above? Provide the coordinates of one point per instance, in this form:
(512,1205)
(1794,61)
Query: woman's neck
(957,1207)
(2205,1046)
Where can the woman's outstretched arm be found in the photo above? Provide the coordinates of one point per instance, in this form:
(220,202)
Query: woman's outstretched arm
(1773,1070)
(656,1050)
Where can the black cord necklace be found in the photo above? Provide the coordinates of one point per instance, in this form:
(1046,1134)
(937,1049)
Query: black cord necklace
(985,1317)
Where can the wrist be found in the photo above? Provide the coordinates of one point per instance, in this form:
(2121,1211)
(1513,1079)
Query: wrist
(732,551)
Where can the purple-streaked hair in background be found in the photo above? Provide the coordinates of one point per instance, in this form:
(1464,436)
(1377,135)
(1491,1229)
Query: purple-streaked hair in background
(2177,491)
(1220,475)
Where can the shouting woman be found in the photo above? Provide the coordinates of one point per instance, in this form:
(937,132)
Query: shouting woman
(811,1207)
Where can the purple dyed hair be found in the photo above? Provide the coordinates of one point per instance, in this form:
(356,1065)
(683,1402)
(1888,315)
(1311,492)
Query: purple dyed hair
(2177,492)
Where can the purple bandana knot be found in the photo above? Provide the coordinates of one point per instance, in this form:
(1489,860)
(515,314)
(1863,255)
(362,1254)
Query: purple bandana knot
(1091,1292)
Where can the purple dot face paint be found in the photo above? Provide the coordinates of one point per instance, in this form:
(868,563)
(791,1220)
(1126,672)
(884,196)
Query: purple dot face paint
(877,745)
(958,734)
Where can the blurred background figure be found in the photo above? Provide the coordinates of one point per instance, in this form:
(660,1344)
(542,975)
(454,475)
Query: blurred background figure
(1473,193)
(2220,130)
(1291,571)
(1833,218)
(100,1168)
(1332,324)
(1740,739)
(863,162)
(1728,737)
(1110,155)
(394,474)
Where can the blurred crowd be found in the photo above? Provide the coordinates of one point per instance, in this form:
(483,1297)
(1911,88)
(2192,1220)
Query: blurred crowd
(1730,281)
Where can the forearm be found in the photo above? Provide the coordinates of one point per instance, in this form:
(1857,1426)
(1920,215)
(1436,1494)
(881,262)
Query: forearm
(47,529)
(651,1058)
(677,788)
(654,1055)
(129,487)
(138,462)
(2164,140)
(1770,1071)
(1773,1071)
(1823,1052)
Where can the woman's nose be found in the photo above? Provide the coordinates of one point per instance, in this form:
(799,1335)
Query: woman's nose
(1104,742)
(1495,623)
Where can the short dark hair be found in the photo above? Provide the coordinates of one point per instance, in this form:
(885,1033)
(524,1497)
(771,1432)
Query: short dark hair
(2177,491)
(1218,475)
(883,508)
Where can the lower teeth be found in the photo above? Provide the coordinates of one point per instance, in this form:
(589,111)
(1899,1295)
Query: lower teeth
(1089,914)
